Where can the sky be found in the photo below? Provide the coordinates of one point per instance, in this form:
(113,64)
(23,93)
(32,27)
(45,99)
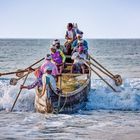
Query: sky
(49,18)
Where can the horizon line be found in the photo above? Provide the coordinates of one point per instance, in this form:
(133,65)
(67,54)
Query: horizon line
(64,38)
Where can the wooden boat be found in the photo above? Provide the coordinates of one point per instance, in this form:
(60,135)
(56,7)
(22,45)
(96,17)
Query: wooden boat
(67,101)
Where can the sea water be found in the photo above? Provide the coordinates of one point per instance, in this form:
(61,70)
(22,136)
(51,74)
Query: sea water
(108,115)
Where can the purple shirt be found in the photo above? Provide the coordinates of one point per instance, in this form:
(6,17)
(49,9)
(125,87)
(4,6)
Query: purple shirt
(50,64)
(37,82)
(56,57)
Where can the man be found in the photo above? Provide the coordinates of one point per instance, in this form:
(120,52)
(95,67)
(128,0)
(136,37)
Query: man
(70,34)
(48,79)
(78,58)
(80,40)
(75,27)
(59,47)
(37,82)
(83,44)
(58,58)
(50,64)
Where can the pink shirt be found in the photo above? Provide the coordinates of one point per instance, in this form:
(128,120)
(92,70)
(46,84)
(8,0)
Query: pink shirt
(50,64)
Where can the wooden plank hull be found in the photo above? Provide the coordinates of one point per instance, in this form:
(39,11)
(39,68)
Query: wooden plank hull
(64,103)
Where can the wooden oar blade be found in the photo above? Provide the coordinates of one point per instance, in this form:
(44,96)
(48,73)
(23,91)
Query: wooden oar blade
(20,74)
(13,81)
(118,80)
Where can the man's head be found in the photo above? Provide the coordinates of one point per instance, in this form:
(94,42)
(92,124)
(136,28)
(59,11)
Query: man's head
(48,69)
(69,26)
(38,73)
(48,57)
(56,43)
(53,49)
(79,36)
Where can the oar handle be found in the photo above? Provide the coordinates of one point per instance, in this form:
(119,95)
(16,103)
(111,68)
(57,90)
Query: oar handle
(36,63)
(8,73)
(101,70)
(26,69)
(101,65)
(104,80)
(101,77)
(19,92)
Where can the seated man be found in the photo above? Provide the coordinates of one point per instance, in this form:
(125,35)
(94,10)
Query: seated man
(70,37)
(79,58)
(50,64)
(85,48)
(59,47)
(70,34)
(75,27)
(58,58)
(79,41)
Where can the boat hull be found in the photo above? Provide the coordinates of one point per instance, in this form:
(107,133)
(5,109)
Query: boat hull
(64,103)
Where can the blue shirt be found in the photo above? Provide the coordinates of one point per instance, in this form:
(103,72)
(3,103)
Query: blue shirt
(85,44)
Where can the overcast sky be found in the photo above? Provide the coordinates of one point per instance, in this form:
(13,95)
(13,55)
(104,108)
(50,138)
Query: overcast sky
(48,18)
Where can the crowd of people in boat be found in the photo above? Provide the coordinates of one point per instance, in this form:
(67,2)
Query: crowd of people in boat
(75,47)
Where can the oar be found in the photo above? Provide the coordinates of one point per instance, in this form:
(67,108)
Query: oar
(19,92)
(101,65)
(117,78)
(100,77)
(101,70)
(14,72)
(103,80)
(22,71)
(13,81)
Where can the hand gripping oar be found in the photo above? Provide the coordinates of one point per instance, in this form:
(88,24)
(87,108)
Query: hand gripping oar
(100,76)
(21,71)
(117,78)
(19,92)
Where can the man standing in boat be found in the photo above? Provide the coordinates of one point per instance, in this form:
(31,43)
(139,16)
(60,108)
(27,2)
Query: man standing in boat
(37,82)
(48,79)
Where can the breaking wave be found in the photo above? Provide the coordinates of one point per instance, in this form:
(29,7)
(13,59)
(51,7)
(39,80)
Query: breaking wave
(100,96)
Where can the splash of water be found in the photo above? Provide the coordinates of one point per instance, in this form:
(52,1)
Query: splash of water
(127,97)
(8,94)
(100,96)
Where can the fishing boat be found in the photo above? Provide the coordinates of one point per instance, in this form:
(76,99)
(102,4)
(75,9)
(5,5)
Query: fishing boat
(75,88)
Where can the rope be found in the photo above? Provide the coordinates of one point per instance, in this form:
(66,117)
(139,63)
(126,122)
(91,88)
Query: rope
(63,104)
(59,100)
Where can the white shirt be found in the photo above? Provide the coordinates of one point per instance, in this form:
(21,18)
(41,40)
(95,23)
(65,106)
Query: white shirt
(70,34)
(52,80)
(76,57)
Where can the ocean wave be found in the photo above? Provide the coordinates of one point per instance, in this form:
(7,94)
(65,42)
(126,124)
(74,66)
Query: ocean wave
(101,96)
